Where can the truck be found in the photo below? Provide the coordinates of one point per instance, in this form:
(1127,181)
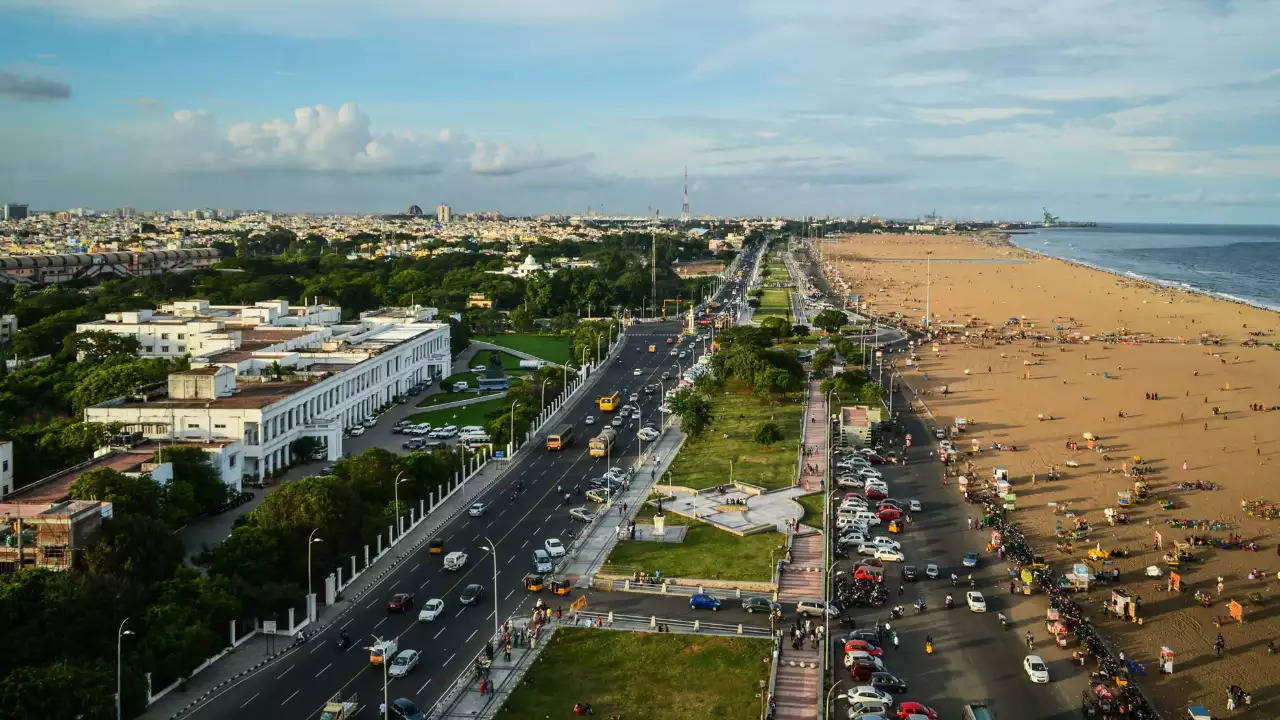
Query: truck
(382,652)
(339,709)
(560,439)
(600,445)
(532,364)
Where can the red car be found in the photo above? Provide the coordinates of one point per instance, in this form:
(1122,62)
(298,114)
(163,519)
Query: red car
(889,513)
(914,708)
(874,459)
(865,572)
(876,494)
(864,646)
(400,602)
(861,670)
(670,341)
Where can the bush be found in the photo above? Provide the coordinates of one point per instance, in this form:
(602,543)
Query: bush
(767,433)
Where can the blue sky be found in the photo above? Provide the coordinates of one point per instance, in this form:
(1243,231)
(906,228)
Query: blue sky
(1129,110)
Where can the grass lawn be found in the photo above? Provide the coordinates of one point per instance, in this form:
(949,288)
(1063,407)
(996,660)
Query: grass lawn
(636,676)
(704,462)
(706,553)
(467,415)
(448,397)
(554,348)
(812,509)
(774,301)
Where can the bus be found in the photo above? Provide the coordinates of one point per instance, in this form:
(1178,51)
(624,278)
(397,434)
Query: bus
(560,439)
(600,445)
(609,403)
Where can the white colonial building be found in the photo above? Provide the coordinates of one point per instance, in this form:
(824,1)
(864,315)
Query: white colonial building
(316,384)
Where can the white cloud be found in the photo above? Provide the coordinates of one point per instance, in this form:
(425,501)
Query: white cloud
(500,158)
(964,116)
(927,79)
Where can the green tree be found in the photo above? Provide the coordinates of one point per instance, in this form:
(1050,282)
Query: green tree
(767,433)
(800,331)
(140,496)
(823,360)
(193,468)
(693,408)
(830,320)
(141,547)
(521,319)
(94,346)
(58,690)
(459,335)
(777,327)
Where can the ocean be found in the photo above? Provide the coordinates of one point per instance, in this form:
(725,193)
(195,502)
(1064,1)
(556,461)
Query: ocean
(1235,262)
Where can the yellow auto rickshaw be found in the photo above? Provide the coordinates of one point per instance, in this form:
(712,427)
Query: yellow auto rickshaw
(560,586)
(1097,553)
(436,546)
(895,526)
(533,582)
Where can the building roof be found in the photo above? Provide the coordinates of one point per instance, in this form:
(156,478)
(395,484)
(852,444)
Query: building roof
(210,370)
(249,396)
(56,486)
(46,509)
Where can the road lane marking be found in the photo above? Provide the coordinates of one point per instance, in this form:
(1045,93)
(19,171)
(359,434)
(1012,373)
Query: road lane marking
(295,693)
(438,633)
(313,650)
(525,544)
(345,624)
(424,686)
(415,567)
(446,662)
(326,667)
(513,557)
(370,605)
(246,702)
(473,634)
(424,584)
(509,594)
(375,626)
(286,672)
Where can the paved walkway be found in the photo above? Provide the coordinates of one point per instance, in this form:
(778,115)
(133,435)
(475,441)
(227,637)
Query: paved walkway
(742,512)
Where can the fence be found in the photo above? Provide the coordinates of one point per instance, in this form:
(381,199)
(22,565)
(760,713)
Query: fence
(634,623)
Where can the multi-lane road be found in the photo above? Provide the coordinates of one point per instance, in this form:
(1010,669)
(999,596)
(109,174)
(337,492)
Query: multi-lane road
(298,684)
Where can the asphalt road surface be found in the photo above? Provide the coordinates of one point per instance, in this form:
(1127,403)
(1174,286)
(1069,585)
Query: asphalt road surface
(974,658)
(299,684)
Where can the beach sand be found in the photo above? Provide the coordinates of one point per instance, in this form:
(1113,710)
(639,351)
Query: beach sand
(1002,388)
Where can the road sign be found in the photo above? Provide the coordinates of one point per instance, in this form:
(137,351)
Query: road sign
(269,627)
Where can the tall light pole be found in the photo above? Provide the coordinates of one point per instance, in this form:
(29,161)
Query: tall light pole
(827,705)
(513,426)
(493,553)
(928,284)
(120,633)
(311,540)
(544,391)
(386,660)
(396,490)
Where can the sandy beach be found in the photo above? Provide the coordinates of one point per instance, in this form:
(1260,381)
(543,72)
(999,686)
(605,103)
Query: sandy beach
(1176,385)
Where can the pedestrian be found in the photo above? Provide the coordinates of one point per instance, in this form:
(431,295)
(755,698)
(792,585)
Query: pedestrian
(970,521)
(382,709)
(901,590)
(895,639)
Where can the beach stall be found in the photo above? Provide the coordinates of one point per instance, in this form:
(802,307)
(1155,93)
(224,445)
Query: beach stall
(1000,473)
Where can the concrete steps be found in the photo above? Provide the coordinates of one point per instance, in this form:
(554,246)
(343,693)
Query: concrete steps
(796,691)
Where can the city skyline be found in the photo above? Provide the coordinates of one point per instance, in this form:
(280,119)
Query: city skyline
(1094,111)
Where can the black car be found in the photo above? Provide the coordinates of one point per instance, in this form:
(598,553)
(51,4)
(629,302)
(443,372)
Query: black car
(471,594)
(888,683)
(405,709)
(759,603)
(909,573)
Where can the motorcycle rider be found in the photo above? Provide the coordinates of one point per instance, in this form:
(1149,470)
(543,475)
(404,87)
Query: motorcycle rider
(1031,641)
(949,602)
(1004,621)
(954,579)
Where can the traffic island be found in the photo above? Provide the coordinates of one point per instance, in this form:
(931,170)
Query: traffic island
(643,674)
(705,553)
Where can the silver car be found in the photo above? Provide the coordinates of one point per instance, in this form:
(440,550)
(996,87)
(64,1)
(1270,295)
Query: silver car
(404,662)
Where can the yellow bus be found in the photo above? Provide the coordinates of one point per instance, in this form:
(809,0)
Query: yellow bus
(609,403)
(560,439)
(600,445)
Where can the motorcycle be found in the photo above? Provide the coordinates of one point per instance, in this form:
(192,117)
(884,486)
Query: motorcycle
(896,612)
(1004,621)
(1031,641)
(566,497)
(344,641)
(950,602)
(954,580)
(928,645)
(921,606)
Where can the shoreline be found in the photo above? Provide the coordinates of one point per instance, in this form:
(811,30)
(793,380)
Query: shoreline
(1006,240)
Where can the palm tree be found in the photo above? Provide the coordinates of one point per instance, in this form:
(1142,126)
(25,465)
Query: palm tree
(276,369)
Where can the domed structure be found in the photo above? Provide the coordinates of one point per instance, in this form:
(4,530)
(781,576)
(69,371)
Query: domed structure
(414,210)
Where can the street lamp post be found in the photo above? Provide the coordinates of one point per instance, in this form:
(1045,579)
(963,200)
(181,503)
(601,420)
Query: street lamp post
(826,706)
(513,425)
(396,492)
(311,540)
(493,553)
(120,633)
(544,391)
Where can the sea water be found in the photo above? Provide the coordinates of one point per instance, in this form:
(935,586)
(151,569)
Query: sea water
(1235,262)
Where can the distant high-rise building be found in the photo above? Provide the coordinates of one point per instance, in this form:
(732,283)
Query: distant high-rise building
(444,213)
(685,214)
(414,211)
(14,211)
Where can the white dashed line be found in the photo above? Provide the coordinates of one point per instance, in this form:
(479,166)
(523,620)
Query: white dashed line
(246,702)
(447,660)
(375,626)
(473,634)
(415,567)
(295,693)
(326,667)
(286,672)
(424,686)
(438,633)
(509,594)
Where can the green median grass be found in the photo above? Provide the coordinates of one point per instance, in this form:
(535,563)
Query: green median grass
(474,414)
(704,462)
(448,397)
(812,505)
(774,301)
(554,348)
(707,553)
(637,675)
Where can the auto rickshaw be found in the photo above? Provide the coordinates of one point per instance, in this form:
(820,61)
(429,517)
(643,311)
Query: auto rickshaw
(533,582)
(895,526)
(560,586)
(1097,553)
(436,546)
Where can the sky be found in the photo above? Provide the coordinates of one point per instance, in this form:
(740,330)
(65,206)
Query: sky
(1132,110)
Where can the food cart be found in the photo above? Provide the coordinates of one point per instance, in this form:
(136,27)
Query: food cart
(999,474)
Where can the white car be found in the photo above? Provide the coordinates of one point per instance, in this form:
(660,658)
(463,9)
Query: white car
(931,571)
(582,514)
(864,693)
(890,555)
(1036,669)
(477,509)
(886,543)
(976,602)
(431,610)
(591,420)
(357,431)
(868,549)
(455,560)
(637,371)
(913,505)
(616,422)
(404,661)
(635,397)
(554,547)
(664,408)
(648,434)
(370,422)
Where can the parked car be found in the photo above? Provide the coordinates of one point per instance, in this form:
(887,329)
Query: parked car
(704,601)
(889,683)
(471,594)
(357,431)
(582,514)
(911,707)
(866,693)
(760,603)
(889,555)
